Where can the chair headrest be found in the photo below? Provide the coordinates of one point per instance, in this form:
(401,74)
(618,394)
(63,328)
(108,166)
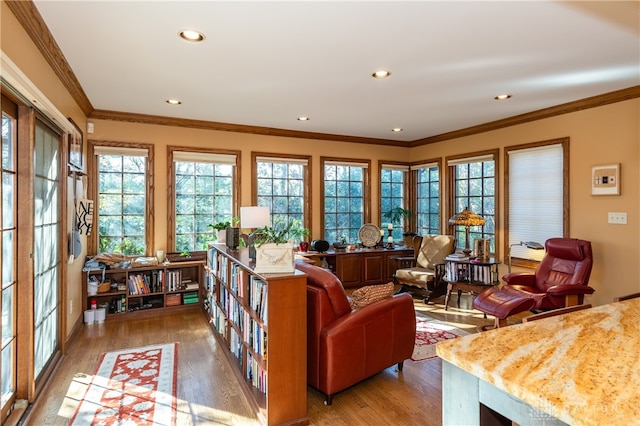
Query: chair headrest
(566,248)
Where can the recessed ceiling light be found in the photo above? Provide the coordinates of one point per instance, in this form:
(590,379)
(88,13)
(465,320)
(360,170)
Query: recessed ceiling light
(173,102)
(502,97)
(303,118)
(191,35)
(396,129)
(381,74)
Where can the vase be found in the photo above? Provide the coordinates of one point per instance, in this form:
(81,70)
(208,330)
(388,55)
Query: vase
(233,238)
(221,236)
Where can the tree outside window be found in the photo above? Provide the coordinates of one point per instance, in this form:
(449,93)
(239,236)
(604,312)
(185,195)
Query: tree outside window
(122,204)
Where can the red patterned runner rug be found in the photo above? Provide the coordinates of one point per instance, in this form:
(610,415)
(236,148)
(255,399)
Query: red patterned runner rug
(132,387)
(428,333)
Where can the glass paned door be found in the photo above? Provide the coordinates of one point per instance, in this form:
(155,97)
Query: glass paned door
(8,250)
(46,248)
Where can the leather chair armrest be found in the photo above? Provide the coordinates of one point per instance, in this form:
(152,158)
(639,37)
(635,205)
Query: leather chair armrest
(522,278)
(569,289)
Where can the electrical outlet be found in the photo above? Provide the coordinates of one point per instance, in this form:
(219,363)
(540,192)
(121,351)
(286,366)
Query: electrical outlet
(618,218)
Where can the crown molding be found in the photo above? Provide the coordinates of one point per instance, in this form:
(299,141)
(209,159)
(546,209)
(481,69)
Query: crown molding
(29,17)
(569,107)
(227,127)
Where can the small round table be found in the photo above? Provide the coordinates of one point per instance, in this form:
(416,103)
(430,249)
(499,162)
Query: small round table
(474,275)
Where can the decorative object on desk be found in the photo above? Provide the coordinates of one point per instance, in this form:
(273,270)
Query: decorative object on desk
(429,332)
(319,245)
(233,234)
(274,250)
(254,217)
(481,247)
(400,217)
(303,246)
(131,386)
(369,235)
(533,245)
(340,245)
(605,180)
(467,219)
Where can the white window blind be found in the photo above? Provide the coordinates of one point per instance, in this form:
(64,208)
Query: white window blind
(401,167)
(120,150)
(424,166)
(204,157)
(476,159)
(282,160)
(536,200)
(346,164)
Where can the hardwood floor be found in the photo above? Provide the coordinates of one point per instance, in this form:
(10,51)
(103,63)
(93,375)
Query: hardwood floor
(208,393)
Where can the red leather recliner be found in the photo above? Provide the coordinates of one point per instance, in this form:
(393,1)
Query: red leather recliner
(561,278)
(346,346)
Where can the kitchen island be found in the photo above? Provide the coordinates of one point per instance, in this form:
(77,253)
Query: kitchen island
(581,368)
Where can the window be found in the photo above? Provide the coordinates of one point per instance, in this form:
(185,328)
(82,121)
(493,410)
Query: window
(427,178)
(46,249)
(393,194)
(346,192)
(124,206)
(474,187)
(204,194)
(8,241)
(283,185)
(536,196)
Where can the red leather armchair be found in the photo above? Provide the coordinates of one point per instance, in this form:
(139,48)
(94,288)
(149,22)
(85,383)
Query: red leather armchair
(346,346)
(561,278)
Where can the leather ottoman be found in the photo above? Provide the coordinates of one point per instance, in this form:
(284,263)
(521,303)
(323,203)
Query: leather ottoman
(501,305)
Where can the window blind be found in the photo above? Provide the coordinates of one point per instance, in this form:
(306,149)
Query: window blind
(282,160)
(536,197)
(424,166)
(120,150)
(467,160)
(400,167)
(204,157)
(346,164)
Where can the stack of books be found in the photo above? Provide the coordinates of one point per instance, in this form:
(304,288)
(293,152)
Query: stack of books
(457,257)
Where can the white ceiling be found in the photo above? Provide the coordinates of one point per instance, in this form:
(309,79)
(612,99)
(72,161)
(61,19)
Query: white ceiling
(265,63)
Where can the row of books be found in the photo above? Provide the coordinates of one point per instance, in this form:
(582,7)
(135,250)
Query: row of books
(256,374)
(236,281)
(221,268)
(257,299)
(233,309)
(484,274)
(235,345)
(145,283)
(255,336)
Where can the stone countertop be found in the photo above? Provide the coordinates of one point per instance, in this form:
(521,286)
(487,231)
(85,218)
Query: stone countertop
(582,368)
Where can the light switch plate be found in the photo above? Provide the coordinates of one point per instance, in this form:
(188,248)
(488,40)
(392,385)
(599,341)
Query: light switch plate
(618,218)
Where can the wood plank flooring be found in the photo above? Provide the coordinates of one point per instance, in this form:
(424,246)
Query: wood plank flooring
(208,393)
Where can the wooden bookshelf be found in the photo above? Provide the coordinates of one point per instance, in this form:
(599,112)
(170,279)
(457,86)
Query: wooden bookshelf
(261,320)
(146,290)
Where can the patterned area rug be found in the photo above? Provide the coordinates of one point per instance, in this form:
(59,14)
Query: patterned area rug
(132,387)
(429,332)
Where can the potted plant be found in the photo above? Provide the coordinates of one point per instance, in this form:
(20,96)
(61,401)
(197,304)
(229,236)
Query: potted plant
(396,216)
(220,229)
(274,246)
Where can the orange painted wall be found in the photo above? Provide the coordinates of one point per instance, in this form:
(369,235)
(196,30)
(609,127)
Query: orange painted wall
(603,135)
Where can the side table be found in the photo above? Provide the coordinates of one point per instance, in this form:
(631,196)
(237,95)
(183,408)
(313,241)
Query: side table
(474,275)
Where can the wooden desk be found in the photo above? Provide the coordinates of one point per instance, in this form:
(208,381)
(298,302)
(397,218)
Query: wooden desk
(580,368)
(361,266)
